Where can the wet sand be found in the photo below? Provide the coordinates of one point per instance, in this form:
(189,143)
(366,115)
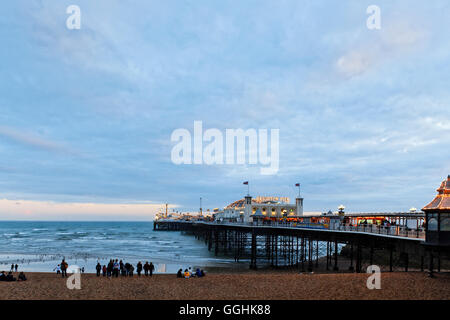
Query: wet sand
(241,286)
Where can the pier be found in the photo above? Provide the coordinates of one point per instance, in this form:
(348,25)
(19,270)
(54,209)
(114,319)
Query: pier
(301,247)
(268,232)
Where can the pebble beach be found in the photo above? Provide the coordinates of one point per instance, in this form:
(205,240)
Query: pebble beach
(233,286)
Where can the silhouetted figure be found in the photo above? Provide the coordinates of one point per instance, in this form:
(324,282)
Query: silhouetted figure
(131,270)
(139,268)
(146,268)
(64,266)
(16,267)
(10,277)
(104,270)
(22,277)
(98,267)
(109,268)
(152,268)
(180,273)
(116,268)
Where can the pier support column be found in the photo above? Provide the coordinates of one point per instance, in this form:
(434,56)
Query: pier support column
(390,259)
(317,253)
(328,254)
(430,273)
(335,268)
(406,261)
(253,252)
(371,255)
(351,268)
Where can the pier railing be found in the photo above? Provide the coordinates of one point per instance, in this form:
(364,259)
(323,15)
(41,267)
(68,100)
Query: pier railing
(395,231)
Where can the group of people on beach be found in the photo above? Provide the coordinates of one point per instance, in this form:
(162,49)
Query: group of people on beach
(116,267)
(188,273)
(10,276)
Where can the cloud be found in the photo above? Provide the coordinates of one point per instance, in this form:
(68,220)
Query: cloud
(394,41)
(33,140)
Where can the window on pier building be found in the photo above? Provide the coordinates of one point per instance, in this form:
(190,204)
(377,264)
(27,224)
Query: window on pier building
(445,222)
(432,223)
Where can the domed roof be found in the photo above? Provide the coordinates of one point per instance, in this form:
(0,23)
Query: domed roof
(239,204)
(442,200)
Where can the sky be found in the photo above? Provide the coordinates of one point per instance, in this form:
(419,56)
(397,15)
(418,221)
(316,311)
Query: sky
(86,115)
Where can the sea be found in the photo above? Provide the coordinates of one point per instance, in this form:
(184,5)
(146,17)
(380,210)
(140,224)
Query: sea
(40,246)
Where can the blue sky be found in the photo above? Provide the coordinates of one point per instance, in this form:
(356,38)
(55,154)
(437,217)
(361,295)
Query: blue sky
(86,115)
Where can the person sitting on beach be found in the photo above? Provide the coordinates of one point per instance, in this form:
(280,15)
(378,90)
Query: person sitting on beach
(104,270)
(146,268)
(151,268)
(3,276)
(98,268)
(186,274)
(198,273)
(139,268)
(22,277)
(180,273)
(10,277)
(202,273)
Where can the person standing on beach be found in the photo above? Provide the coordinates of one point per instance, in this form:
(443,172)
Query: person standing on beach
(58,269)
(151,268)
(139,268)
(12,267)
(64,266)
(121,266)
(116,268)
(146,268)
(98,267)
(109,269)
(104,270)
(16,267)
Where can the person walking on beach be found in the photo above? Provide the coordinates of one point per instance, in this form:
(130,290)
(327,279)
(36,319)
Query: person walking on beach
(64,266)
(16,267)
(139,268)
(12,268)
(151,268)
(98,267)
